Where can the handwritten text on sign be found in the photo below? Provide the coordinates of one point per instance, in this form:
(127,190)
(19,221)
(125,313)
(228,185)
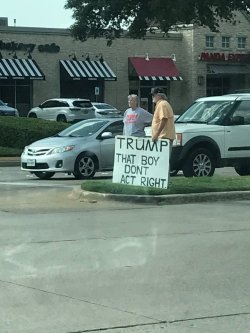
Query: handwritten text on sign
(141,162)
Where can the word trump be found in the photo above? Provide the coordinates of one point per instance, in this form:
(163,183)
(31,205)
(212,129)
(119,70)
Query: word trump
(141,162)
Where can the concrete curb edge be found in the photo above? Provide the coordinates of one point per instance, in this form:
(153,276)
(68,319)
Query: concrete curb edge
(168,199)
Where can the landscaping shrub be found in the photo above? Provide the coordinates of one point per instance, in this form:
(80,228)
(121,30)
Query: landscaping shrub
(20,132)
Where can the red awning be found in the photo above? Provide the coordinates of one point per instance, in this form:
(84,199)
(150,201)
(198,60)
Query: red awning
(154,69)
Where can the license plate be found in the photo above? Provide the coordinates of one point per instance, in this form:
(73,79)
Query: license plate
(31,162)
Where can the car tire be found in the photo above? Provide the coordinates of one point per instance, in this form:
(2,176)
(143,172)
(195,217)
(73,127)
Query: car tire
(85,166)
(243,170)
(199,163)
(43,174)
(61,118)
(32,115)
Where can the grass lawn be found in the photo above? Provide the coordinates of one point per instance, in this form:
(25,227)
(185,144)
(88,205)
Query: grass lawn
(179,185)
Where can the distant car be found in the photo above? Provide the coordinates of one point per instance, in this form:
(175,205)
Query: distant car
(6,110)
(82,149)
(64,109)
(105,110)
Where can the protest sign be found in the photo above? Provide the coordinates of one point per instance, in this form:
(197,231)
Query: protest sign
(141,162)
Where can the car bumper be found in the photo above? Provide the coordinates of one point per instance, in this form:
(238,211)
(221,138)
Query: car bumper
(50,163)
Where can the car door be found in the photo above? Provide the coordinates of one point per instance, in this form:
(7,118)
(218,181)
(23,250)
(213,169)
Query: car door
(107,146)
(237,133)
(47,110)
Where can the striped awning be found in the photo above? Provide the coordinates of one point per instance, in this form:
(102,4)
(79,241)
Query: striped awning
(20,69)
(148,69)
(87,69)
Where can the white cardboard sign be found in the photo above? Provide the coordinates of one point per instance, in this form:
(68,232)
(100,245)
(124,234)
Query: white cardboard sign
(141,162)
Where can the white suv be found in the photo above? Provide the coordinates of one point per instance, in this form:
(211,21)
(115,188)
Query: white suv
(64,109)
(213,132)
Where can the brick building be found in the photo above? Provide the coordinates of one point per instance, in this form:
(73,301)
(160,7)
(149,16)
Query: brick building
(41,63)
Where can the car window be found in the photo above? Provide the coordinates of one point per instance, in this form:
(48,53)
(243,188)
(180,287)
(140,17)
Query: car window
(115,128)
(82,104)
(62,104)
(206,112)
(49,104)
(84,129)
(243,110)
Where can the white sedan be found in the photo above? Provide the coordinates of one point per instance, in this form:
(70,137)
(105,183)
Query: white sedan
(105,110)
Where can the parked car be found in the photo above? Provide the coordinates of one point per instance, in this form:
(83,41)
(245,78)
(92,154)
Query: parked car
(213,132)
(6,110)
(82,149)
(106,110)
(64,109)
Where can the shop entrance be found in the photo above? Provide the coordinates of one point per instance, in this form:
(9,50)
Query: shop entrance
(90,89)
(17,93)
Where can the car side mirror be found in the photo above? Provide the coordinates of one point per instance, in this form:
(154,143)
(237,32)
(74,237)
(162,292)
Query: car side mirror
(237,120)
(106,135)
(40,106)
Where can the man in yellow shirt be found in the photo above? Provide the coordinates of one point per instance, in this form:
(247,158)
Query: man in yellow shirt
(163,120)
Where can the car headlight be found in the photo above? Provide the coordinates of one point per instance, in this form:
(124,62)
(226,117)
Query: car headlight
(25,150)
(59,150)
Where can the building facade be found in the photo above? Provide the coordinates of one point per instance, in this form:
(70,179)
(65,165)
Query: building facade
(37,64)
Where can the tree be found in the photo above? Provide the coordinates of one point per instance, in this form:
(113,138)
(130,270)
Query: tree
(110,18)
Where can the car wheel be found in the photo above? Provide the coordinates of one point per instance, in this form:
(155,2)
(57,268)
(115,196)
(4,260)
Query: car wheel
(32,115)
(61,118)
(243,170)
(199,163)
(85,166)
(44,174)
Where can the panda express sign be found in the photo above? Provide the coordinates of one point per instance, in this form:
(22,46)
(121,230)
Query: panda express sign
(229,57)
(141,162)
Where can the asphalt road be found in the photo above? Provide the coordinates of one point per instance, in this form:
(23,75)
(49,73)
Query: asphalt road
(72,266)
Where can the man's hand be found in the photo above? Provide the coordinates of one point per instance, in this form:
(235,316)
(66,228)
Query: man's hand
(155,137)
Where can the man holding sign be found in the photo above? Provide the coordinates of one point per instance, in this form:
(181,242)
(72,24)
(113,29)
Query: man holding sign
(163,120)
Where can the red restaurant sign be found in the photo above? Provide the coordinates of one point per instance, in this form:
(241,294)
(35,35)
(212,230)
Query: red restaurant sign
(232,57)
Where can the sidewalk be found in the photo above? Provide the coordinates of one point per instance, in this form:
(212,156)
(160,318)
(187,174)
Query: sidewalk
(10,161)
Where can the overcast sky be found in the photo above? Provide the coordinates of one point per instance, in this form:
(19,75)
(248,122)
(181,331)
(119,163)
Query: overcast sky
(36,13)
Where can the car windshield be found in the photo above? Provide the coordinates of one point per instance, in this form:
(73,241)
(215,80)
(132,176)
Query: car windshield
(84,128)
(208,112)
(104,106)
(2,103)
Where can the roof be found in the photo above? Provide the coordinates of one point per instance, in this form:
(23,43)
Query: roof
(162,68)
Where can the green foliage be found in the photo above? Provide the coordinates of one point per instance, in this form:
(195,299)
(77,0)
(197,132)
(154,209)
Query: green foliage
(179,185)
(95,18)
(20,132)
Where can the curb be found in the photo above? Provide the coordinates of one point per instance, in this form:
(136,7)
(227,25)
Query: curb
(171,199)
(10,161)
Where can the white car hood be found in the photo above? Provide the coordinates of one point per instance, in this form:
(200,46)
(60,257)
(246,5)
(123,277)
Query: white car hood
(193,128)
